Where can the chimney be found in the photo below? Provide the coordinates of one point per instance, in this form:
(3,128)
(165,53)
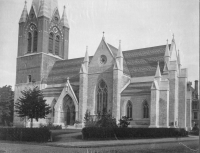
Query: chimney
(196,86)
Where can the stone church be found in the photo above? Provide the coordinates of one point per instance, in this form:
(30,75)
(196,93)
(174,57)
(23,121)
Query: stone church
(147,85)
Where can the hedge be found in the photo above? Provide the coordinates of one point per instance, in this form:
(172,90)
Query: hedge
(104,133)
(25,134)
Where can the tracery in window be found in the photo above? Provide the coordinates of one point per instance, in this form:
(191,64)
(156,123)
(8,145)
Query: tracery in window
(102,97)
(129,109)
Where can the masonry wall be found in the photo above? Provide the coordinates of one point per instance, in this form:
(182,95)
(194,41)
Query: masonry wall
(137,105)
(173,97)
(164,108)
(93,80)
(182,102)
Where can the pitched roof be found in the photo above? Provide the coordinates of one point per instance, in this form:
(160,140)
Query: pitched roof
(137,63)
(140,88)
(113,49)
(65,68)
(143,62)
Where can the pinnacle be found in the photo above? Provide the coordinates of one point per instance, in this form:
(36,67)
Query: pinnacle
(167,54)
(86,59)
(158,74)
(119,53)
(64,20)
(24,14)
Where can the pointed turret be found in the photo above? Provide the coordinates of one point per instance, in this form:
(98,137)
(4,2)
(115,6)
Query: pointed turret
(24,14)
(167,53)
(119,57)
(64,21)
(44,11)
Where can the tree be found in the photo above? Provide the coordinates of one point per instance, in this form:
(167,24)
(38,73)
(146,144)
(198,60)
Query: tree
(32,105)
(6,104)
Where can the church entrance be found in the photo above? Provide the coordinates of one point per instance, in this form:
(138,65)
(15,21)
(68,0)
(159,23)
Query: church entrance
(68,110)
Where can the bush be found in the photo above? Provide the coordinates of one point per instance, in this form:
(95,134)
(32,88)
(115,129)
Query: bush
(104,133)
(50,126)
(123,122)
(25,134)
(101,120)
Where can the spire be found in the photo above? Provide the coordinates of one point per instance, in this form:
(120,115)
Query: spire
(64,20)
(158,74)
(43,9)
(24,15)
(86,59)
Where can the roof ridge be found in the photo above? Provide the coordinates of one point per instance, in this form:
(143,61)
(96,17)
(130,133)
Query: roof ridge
(145,48)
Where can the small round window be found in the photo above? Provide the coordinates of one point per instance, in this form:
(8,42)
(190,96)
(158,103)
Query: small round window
(103,59)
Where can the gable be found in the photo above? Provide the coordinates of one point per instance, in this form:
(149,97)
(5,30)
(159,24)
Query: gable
(32,15)
(56,16)
(103,52)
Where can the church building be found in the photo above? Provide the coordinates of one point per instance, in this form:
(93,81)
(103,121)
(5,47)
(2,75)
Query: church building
(147,85)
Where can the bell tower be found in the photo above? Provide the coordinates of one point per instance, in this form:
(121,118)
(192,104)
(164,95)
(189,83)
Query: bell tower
(43,39)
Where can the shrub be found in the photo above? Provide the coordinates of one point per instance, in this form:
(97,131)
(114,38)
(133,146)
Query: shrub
(106,120)
(50,126)
(101,120)
(25,134)
(102,133)
(123,122)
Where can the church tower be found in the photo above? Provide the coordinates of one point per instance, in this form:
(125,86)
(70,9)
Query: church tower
(43,39)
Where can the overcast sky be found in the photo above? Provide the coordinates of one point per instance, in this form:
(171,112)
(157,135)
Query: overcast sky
(137,23)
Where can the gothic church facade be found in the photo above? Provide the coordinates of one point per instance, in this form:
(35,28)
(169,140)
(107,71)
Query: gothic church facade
(147,85)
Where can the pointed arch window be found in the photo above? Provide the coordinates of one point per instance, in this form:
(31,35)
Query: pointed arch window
(129,109)
(145,109)
(57,45)
(29,42)
(102,97)
(51,42)
(35,41)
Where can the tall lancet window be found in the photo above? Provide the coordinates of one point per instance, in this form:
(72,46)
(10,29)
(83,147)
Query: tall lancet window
(57,45)
(51,42)
(102,97)
(145,109)
(29,42)
(35,41)
(129,109)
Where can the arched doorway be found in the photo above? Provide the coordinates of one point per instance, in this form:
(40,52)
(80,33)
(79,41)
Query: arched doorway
(68,110)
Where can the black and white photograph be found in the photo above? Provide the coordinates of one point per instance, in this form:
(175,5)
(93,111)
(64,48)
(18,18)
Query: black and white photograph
(99,76)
